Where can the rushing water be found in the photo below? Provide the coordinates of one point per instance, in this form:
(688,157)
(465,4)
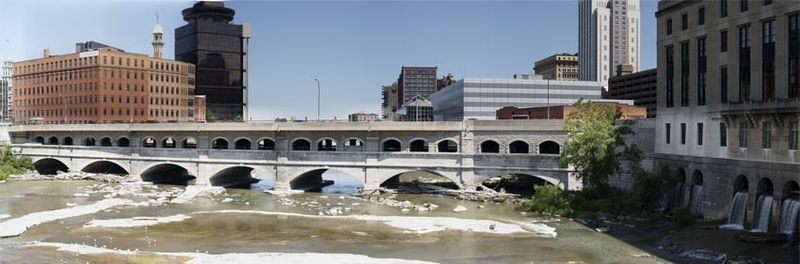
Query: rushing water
(696,200)
(763,213)
(738,211)
(790,211)
(248,226)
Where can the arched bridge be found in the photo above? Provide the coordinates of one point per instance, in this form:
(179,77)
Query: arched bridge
(295,154)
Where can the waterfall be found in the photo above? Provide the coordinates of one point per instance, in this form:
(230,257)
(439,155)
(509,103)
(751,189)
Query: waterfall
(763,213)
(738,210)
(696,201)
(677,198)
(789,213)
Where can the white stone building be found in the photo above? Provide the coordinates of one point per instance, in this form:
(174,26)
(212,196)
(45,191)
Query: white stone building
(609,35)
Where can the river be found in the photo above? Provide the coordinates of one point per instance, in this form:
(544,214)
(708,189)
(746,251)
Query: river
(80,225)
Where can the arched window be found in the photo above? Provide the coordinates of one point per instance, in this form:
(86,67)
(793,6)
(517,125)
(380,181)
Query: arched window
(490,146)
(39,140)
(518,147)
(67,141)
(391,145)
(149,142)
(549,147)
(301,145)
(266,144)
(52,141)
(89,141)
(448,146)
(123,142)
(219,143)
(326,144)
(242,143)
(169,142)
(106,142)
(189,143)
(418,145)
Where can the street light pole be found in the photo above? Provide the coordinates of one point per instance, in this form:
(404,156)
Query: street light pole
(318,96)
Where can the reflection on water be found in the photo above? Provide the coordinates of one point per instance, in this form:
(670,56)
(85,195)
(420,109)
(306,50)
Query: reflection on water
(221,233)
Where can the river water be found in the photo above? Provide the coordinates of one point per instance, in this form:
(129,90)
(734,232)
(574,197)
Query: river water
(136,223)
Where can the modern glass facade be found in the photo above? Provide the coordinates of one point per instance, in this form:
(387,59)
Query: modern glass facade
(219,50)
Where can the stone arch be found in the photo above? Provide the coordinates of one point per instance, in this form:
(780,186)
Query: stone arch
(447,145)
(791,190)
(105,167)
(39,139)
(169,142)
(266,144)
(50,166)
(418,145)
(219,143)
(242,143)
(189,143)
(326,144)
(106,142)
(398,179)
(741,184)
(167,173)
(149,142)
(89,141)
(764,186)
(68,141)
(313,181)
(301,144)
(123,142)
(391,145)
(518,146)
(353,144)
(234,177)
(517,183)
(52,140)
(489,146)
(549,147)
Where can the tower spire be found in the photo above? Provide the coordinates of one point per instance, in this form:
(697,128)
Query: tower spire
(158,41)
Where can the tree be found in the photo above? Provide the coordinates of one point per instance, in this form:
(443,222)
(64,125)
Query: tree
(596,144)
(238,118)
(210,117)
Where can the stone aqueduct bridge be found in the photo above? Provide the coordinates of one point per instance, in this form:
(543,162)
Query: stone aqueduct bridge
(296,154)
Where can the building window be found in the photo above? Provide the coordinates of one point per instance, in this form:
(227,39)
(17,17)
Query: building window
(723,41)
(742,134)
(793,135)
(669,26)
(723,84)
(794,56)
(685,74)
(744,64)
(701,16)
(766,135)
(699,134)
(768,60)
(670,54)
(723,134)
(743,5)
(683,133)
(684,22)
(668,132)
(767,2)
(701,71)
(723,8)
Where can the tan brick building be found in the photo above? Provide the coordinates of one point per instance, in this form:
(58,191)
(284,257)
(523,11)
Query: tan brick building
(626,107)
(563,67)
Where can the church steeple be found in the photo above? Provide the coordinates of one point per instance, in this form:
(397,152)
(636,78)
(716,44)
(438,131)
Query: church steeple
(158,41)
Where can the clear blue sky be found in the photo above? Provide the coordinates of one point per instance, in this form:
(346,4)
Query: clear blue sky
(353,47)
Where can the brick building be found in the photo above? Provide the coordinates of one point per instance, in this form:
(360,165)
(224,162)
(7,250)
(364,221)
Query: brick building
(628,109)
(639,87)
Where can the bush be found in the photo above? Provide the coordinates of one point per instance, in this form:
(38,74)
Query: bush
(548,199)
(12,164)
(682,218)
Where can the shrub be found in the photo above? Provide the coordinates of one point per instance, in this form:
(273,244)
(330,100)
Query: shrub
(548,199)
(12,164)
(681,217)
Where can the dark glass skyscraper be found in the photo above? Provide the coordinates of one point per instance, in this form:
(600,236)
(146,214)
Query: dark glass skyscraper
(219,50)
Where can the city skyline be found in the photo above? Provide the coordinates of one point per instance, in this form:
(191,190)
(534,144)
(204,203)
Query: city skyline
(290,47)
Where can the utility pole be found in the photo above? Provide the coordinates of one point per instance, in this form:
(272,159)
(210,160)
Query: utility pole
(318,100)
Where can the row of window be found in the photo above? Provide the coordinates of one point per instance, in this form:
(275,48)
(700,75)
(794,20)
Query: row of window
(701,14)
(744,65)
(93,73)
(744,128)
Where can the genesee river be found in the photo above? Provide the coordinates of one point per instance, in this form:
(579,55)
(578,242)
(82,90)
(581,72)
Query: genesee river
(91,222)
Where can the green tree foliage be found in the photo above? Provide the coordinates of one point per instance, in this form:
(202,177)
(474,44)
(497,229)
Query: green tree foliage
(549,199)
(238,118)
(210,117)
(593,147)
(12,164)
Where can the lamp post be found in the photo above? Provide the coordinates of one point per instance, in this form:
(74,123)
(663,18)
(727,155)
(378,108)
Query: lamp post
(318,96)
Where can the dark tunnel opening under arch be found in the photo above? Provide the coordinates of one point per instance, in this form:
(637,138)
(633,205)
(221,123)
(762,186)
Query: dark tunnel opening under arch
(48,166)
(167,173)
(515,183)
(326,180)
(239,177)
(105,167)
(413,181)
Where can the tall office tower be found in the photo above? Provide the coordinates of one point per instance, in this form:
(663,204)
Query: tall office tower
(414,81)
(608,36)
(219,50)
(6,104)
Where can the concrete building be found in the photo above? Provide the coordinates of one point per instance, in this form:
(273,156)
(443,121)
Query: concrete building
(609,35)
(6,91)
(418,109)
(640,87)
(562,67)
(106,85)
(728,107)
(627,108)
(362,117)
(479,98)
(390,97)
(416,81)
(219,49)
